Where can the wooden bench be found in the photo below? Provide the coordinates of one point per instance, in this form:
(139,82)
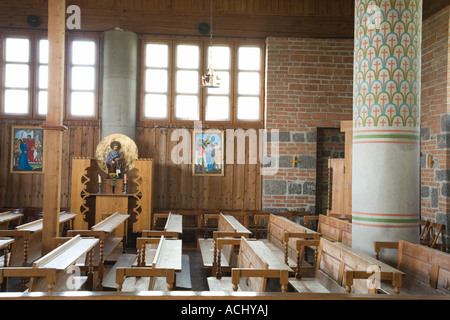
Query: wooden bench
(157,259)
(27,245)
(7,217)
(140,279)
(431,233)
(173,227)
(281,238)
(332,228)
(228,227)
(255,264)
(5,245)
(192,224)
(260,231)
(108,248)
(341,269)
(56,271)
(427,270)
(174,222)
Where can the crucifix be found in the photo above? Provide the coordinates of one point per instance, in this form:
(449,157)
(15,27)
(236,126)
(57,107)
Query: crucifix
(293,161)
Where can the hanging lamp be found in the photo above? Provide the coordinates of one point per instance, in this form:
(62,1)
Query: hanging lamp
(210,79)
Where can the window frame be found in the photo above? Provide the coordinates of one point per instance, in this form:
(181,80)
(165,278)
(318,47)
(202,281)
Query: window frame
(142,89)
(34,36)
(173,76)
(261,86)
(36,79)
(31,74)
(203,43)
(68,76)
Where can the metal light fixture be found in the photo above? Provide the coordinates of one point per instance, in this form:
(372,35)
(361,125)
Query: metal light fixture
(211,80)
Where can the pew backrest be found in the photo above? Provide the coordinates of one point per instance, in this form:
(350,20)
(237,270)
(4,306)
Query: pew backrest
(425,265)
(249,259)
(334,259)
(335,229)
(28,237)
(277,227)
(60,259)
(111,223)
(8,216)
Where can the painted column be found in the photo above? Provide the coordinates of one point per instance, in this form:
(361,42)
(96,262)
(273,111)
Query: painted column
(386,123)
(119,83)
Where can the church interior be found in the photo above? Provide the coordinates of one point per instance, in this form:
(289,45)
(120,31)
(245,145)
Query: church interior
(221,149)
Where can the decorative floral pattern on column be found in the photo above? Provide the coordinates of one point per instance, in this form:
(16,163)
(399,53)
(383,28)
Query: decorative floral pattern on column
(387,71)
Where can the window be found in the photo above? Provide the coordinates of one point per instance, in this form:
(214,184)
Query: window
(171,82)
(17,74)
(42,85)
(249,84)
(218,99)
(156,99)
(24,75)
(83,79)
(187,100)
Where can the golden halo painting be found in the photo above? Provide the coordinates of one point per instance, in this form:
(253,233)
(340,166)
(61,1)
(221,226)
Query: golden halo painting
(127,147)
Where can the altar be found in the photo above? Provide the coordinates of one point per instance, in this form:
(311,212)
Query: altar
(92,198)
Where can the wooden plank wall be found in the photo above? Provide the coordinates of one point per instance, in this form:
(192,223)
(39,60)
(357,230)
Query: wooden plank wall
(244,18)
(174,185)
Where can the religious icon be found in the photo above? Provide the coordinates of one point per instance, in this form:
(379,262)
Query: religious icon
(115,159)
(208,153)
(116,153)
(27,149)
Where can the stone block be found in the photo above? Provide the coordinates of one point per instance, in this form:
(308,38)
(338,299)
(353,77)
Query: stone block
(274,187)
(294,187)
(309,188)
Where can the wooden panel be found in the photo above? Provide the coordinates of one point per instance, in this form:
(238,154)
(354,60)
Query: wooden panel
(176,188)
(250,18)
(337,167)
(347,128)
(248,258)
(277,226)
(426,265)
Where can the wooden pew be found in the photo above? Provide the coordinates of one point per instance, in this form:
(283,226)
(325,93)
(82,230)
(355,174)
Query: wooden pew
(427,270)
(430,234)
(192,223)
(172,228)
(159,252)
(7,217)
(27,245)
(281,237)
(228,227)
(54,272)
(139,279)
(158,258)
(255,264)
(332,228)
(260,231)
(5,245)
(109,243)
(340,269)
(174,222)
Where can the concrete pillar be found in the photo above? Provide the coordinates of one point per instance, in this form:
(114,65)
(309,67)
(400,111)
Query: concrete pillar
(386,123)
(119,83)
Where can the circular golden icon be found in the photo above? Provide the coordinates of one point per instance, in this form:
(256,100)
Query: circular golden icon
(125,145)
